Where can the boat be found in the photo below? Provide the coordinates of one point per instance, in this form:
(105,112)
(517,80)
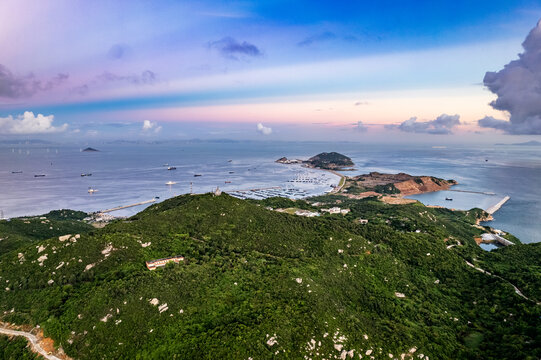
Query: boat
(448,199)
(228,182)
(39,175)
(171,168)
(165,165)
(231,172)
(196,175)
(16,172)
(83,174)
(91,191)
(229,160)
(170,183)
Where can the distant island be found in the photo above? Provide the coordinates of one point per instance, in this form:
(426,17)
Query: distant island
(527,143)
(89,149)
(324,160)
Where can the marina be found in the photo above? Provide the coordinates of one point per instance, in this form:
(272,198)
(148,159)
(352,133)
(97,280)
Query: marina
(301,186)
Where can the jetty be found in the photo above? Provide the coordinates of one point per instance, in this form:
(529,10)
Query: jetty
(126,206)
(491,210)
(473,192)
(259,189)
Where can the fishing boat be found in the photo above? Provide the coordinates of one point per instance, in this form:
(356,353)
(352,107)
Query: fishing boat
(83,174)
(171,168)
(448,199)
(39,175)
(196,175)
(16,172)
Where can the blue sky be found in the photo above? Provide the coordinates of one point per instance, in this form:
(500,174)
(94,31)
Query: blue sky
(220,68)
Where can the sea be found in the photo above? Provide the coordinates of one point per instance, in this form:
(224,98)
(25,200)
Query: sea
(130,172)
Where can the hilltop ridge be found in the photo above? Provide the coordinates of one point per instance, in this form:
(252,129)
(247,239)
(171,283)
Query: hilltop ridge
(259,283)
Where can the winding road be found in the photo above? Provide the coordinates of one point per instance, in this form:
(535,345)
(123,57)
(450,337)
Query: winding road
(33,341)
(517,291)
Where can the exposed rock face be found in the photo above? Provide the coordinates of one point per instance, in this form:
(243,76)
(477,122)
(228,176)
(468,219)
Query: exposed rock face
(426,184)
(403,184)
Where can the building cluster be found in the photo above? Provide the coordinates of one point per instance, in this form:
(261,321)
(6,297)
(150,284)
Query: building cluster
(154,264)
(306,213)
(336,210)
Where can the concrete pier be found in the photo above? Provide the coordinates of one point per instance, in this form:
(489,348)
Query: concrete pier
(126,206)
(247,190)
(473,192)
(491,210)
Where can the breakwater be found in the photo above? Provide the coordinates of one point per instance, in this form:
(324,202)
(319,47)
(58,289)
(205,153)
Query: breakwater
(491,210)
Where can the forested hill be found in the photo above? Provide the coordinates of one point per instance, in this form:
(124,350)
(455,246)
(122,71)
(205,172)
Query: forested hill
(261,284)
(331,160)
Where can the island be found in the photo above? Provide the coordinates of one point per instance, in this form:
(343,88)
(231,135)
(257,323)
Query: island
(324,160)
(388,187)
(89,149)
(378,280)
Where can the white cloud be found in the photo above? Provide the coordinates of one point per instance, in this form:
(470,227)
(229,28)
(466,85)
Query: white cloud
(442,125)
(29,124)
(263,129)
(149,126)
(517,87)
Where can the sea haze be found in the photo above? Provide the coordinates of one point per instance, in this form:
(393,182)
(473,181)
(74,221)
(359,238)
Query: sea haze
(130,173)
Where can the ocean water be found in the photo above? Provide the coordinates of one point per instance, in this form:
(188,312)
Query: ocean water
(129,173)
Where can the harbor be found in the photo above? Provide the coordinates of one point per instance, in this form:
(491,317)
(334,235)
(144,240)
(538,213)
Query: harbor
(302,185)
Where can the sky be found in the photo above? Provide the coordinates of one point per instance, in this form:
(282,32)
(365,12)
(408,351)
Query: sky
(433,71)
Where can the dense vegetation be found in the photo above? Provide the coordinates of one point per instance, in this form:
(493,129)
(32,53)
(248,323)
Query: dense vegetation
(16,349)
(332,160)
(262,284)
(20,231)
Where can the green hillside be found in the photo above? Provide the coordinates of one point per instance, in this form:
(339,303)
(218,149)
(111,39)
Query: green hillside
(332,160)
(260,284)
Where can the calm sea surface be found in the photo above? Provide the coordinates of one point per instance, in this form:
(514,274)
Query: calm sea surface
(129,173)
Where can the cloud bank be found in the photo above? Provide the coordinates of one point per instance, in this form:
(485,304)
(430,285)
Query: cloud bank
(263,129)
(150,126)
(232,49)
(442,125)
(317,38)
(518,87)
(146,77)
(360,127)
(29,124)
(14,86)
(117,51)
